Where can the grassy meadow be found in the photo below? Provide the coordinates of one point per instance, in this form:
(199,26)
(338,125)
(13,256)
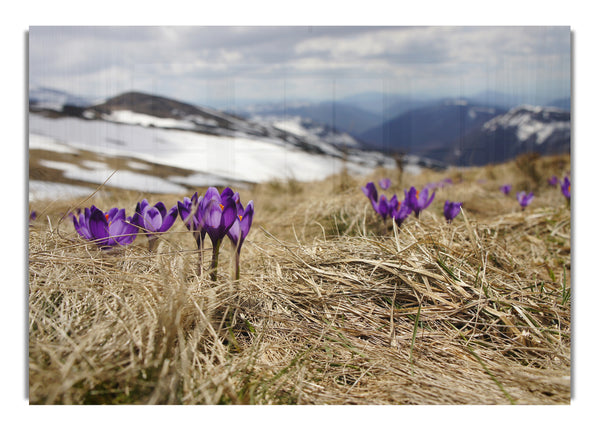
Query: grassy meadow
(332,306)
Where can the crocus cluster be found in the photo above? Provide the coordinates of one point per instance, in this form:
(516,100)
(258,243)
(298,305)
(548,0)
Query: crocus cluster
(216,214)
(552,181)
(393,207)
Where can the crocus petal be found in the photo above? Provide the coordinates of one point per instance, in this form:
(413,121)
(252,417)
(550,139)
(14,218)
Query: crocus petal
(235,234)
(410,197)
(98,226)
(565,188)
(115,213)
(143,204)
(392,205)
(211,213)
(162,209)
(238,203)
(227,193)
(81,226)
(370,192)
(241,225)
(211,193)
(246,221)
(430,199)
(169,219)
(185,211)
(152,219)
(383,207)
(229,213)
(121,232)
(401,212)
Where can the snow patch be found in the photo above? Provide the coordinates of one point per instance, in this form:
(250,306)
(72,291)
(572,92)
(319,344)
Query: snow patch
(138,166)
(242,158)
(38,142)
(93,164)
(130,117)
(125,180)
(42,190)
(530,121)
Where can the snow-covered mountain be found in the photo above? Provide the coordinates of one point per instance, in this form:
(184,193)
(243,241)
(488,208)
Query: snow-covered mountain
(212,147)
(155,111)
(533,123)
(544,130)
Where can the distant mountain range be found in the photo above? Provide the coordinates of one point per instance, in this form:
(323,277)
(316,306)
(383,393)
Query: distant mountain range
(436,132)
(56,100)
(543,130)
(336,115)
(428,129)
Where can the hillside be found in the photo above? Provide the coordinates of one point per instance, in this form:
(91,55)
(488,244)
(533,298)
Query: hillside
(332,306)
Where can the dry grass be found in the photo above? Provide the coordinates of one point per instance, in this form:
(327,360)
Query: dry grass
(331,308)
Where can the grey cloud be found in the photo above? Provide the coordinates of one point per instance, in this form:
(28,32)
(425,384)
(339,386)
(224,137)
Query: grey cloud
(243,54)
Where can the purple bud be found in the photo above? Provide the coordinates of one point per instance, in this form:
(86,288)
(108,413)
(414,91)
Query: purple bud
(506,188)
(385,183)
(524,199)
(451,210)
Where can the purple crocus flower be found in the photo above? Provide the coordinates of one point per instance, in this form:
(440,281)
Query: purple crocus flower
(240,228)
(153,219)
(216,214)
(105,229)
(188,211)
(552,181)
(383,207)
(385,183)
(418,201)
(565,188)
(451,210)
(32,217)
(506,188)
(399,211)
(370,192)
(524,199)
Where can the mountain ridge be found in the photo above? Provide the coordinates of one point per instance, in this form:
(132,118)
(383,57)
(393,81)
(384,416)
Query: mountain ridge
(438,130)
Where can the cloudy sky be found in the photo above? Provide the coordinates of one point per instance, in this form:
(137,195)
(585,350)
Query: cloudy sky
(219,66)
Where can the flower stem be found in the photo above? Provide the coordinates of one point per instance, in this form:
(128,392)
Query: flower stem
(215,260)
(237,264)
(200,245)
(152,243)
